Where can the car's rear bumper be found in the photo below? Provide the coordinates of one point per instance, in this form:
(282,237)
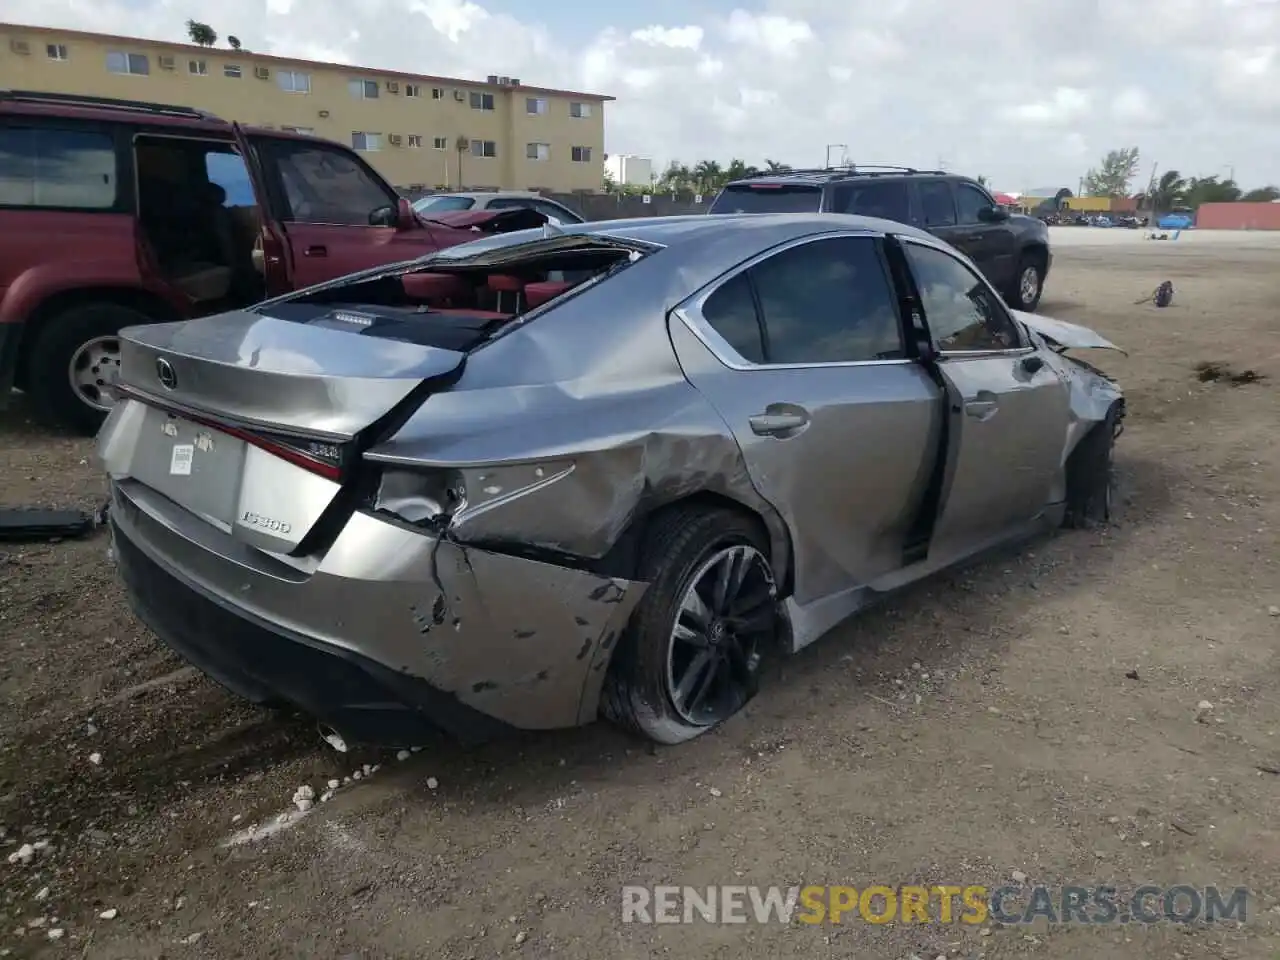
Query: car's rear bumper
(10,341)
(392,634)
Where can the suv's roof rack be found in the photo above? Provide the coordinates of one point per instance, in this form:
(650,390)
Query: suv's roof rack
(846,170)
(107,103)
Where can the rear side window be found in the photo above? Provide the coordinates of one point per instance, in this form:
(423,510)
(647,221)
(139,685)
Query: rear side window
(228,171)
(768,198)
(886,199)
(827,301)
(57,168)
(731,312)
(936,204)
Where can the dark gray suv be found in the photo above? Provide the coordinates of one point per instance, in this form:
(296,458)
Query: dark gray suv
(1011,249)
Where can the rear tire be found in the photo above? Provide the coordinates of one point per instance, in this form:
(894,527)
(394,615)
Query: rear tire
(691,654)
(1028,283)
(1091,476)
(82,336)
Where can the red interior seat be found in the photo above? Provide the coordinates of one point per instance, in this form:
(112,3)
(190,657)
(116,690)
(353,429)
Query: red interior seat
(502,284)
(434,288)
(536,294)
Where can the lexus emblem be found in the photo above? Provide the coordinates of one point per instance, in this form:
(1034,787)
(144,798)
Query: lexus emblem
(165,372)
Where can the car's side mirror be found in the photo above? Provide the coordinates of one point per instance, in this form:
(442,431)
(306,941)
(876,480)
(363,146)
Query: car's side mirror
(993,214)
(406,219)
(383,217)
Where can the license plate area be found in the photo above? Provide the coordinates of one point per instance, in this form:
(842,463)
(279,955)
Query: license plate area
(194,465)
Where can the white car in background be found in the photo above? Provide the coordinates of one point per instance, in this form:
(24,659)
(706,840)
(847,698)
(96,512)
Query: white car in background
(556,213)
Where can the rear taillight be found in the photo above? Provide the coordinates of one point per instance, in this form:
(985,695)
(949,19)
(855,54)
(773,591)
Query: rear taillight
(326,458)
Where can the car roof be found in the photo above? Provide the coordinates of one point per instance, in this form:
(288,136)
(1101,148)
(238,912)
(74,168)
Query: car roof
(701,228)
(820,176)
(110,110)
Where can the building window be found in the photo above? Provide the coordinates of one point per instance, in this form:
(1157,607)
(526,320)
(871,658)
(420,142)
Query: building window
(131,63)
(415,140)
(231,70)
(580,155)
(363,89)
(484,148)
(537,151)
(481,101)
(66,169)
(56,51)
(198,68)
(440,143)
(535,106)
(294,81)
(580,110)
(366,141)
(437,93)
(308,131)
(412,90)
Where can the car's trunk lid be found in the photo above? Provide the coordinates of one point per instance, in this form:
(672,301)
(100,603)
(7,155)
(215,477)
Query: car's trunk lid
(254,422)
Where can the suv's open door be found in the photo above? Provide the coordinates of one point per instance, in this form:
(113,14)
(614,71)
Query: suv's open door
(271,254)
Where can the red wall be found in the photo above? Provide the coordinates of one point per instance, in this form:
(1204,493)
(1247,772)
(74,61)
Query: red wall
(1238,216)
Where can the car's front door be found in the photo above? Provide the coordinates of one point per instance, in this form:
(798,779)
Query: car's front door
(336,214)
(1008,411)
(994,245)
(801,352)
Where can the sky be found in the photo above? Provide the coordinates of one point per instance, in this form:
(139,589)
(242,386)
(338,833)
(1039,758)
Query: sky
(1027,94)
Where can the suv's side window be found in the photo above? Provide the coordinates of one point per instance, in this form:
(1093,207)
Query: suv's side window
(57,168)
(936,203)
(323,185)
(961,310)
(887,199)
(227,169)
(826,301)
(969,202)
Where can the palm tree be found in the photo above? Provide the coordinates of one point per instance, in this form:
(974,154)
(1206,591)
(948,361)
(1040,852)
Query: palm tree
(708,175)
(201,34)
(773,166)
(462,145)
(1170,189)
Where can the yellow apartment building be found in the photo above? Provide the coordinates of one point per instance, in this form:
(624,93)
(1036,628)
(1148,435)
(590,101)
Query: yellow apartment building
(408,125)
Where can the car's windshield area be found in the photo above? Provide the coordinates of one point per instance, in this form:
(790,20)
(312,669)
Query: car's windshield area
(443,204)
(768,198)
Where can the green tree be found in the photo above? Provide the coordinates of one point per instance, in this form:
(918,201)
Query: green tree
(1112,177)
(233,43)
(1170,191)
(708,175)
(1267,194)
(201,34)
(1210,190)
(773,166)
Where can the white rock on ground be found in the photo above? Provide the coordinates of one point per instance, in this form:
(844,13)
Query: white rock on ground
(56,933)
(402,755)
(1203,709)
(42,893)
(304,798)
(432,783)
(109,914)
(95,758)
(334,784)
(24,854)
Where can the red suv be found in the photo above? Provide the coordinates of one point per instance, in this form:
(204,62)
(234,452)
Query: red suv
(115,213)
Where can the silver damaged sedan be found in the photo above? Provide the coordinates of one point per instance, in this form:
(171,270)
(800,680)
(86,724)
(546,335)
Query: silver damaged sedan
(605,468)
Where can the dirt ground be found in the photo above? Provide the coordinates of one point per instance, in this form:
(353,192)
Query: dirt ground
(1035,715)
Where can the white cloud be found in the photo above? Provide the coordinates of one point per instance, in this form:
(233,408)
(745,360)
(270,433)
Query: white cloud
(1023,93)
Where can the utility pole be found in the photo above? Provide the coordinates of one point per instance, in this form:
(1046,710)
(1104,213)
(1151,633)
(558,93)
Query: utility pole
(844,152)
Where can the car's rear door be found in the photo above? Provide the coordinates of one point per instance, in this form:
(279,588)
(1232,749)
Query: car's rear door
(337,216)
(801,352)
(1007,412)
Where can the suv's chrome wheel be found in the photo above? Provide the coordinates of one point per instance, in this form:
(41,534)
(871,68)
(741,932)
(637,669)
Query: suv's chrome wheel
(93,368)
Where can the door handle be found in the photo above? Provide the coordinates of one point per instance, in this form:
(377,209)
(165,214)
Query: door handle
(777,424)
(316,251)
(981,409)
(974,237)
